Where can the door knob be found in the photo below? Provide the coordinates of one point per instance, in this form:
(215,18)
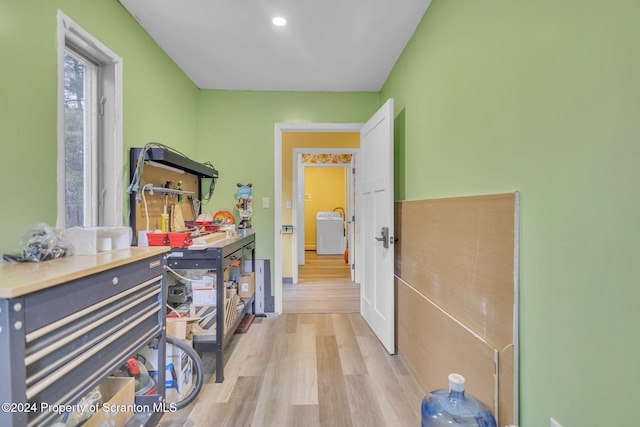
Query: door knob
(384,233)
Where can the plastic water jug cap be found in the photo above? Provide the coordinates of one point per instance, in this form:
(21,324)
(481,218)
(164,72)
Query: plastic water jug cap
(456,382)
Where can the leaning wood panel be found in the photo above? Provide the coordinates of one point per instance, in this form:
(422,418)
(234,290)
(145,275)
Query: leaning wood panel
(460,255)
(459,252)
(507,395)
(433,345)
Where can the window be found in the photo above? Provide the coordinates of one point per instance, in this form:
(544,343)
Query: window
(90,154)
(81,143)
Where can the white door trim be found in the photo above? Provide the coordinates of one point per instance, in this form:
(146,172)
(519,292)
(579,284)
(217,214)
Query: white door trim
(298,196)
(279,128)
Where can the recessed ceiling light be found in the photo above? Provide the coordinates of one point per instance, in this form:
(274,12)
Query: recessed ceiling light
(279,21)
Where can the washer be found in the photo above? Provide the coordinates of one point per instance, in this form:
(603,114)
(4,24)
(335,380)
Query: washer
(329,233)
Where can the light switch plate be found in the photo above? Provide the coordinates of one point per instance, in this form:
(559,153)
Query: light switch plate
(553,423)
(265,202)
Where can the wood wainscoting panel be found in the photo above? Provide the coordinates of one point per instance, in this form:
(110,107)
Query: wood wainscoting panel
(459,255)
(459,252)
(433,345)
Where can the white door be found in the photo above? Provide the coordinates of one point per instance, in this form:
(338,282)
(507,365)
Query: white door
(374,221)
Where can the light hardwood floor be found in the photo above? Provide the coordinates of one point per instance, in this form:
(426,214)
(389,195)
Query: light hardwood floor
(324,286)
(319,364)
(305,370)
(323,268)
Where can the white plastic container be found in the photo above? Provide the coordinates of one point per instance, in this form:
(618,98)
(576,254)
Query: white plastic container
(94,240)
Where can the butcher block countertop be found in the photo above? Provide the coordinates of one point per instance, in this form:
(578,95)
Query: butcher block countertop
(23,278)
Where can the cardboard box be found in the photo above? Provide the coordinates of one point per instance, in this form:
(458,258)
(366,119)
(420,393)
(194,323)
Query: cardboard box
(93,240)
(178,374)
(180,327)
(118,395)
(204,290)
(246,285)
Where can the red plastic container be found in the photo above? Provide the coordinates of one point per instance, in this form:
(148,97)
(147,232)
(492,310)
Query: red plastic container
(207,226)
(179,239)
(157,239)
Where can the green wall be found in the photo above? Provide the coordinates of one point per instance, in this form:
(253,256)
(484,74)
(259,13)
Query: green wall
(544,98)
(237,136)
(159,102)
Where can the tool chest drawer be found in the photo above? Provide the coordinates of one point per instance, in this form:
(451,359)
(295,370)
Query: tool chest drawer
(206,259)
(248,249)
(48,305)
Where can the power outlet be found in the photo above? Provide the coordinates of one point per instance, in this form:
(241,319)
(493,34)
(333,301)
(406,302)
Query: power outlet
(265,202)
(554,423)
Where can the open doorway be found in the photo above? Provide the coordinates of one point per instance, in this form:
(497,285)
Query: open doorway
(374,260)
(313,136)
(324,196)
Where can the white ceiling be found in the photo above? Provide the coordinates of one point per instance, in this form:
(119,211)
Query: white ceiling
(327,45)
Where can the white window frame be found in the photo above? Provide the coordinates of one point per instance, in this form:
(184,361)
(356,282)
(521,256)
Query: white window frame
(109,197)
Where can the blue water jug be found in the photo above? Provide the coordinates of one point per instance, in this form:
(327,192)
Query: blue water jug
(452,408)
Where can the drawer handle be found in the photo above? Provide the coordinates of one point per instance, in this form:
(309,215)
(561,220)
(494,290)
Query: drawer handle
(114,281)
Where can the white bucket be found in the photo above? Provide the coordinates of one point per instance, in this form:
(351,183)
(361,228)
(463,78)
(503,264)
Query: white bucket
(142,238)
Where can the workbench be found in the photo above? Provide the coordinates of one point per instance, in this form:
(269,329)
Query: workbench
(68,323)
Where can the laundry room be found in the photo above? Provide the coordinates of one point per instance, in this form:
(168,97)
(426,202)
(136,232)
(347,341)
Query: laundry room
(325,197)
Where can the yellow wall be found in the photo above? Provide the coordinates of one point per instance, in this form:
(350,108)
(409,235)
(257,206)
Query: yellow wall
(324,190)
(291,140)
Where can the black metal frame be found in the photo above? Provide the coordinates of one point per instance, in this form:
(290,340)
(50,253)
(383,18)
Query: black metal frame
(217,258)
